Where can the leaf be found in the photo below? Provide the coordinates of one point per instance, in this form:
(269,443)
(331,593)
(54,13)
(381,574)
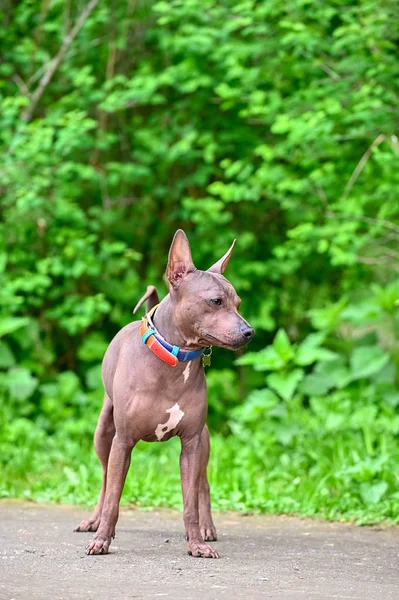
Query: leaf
(310,350)
(282,346)
(372,493)
(68,385)
(367,361)
(7,358)
(265,360)
(286,433)
(334,421)
(285,384)
(20,383)
(93,347)
(93,377)
(361,313)
(10,324)
(365,470)
(364,416)
(316,384)
(307,351)
(264,319)
(387,375)
(327,317)
(336,371)
(391,397)
(255,406)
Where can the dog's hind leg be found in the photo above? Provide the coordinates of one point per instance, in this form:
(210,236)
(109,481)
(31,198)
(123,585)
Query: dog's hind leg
(118,466)
(103,437)
(208,529)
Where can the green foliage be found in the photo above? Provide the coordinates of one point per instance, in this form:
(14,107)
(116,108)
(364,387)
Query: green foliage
(273,123)
(337,415)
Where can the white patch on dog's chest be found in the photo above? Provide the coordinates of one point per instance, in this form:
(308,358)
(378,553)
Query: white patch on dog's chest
(186,372)
(175,416)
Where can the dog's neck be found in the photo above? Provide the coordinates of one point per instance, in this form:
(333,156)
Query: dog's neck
(164,321)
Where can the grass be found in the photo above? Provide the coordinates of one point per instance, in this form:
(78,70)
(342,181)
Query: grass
(324,476)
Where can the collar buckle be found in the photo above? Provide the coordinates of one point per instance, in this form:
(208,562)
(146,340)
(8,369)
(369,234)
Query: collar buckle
(206,358)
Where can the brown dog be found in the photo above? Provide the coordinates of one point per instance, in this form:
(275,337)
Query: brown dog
(155,390)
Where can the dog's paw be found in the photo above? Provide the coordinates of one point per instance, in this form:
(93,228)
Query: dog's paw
(201,550)
(208,532)
(89,525)
(98,545)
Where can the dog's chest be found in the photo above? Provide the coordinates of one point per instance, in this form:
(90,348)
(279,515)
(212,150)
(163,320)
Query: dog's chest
(169,422)
(172,411)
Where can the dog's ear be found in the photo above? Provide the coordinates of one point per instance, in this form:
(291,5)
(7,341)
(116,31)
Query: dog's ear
(180,262)
(221,264)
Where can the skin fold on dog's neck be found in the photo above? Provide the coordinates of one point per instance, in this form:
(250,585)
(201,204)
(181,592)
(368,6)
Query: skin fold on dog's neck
(164,322)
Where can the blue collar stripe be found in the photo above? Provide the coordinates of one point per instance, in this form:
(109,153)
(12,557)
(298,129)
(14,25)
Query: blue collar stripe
(181,354)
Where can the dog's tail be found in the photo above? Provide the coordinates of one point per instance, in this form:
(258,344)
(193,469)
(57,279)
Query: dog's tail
(150,298)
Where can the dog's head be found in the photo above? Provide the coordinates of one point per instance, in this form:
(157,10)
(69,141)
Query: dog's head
(206,304)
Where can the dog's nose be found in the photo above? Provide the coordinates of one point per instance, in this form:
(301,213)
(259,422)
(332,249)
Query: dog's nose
(247,331)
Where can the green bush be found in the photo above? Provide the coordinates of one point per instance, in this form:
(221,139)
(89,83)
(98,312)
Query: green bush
(273,123)
(330,405)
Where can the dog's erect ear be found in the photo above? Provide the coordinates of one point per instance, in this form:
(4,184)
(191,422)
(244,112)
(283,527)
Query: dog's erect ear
(220,265)
(180,262)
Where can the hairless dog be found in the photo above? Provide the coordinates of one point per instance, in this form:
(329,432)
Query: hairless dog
(155,388)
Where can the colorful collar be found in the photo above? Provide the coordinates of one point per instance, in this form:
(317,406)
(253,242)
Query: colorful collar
(160,347)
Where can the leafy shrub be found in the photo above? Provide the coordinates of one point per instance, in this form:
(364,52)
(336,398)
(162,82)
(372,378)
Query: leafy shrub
(332,400)
(273,123)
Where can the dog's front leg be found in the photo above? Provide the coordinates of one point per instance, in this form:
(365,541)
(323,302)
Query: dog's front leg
(208,530)
(118,466)
(190,471)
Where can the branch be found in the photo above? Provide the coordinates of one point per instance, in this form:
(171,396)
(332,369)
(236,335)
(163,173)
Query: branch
(329,71)
(360,165)
(57,60)
(71,53)
(378,222)
(369,260)
(21,84)
(390,252)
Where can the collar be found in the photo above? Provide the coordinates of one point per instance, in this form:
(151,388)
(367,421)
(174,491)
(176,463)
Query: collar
(160,347)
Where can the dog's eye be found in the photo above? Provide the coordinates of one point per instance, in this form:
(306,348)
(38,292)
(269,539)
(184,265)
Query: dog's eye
(215,301)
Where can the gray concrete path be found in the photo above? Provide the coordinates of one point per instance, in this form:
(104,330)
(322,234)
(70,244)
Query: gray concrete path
(261,557)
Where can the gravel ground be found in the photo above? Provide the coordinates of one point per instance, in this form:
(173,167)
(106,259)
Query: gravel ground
(41,558)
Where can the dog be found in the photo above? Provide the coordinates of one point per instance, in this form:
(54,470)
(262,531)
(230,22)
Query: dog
(155,388)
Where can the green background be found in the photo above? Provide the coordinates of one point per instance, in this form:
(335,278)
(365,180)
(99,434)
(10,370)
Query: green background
(271,122)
